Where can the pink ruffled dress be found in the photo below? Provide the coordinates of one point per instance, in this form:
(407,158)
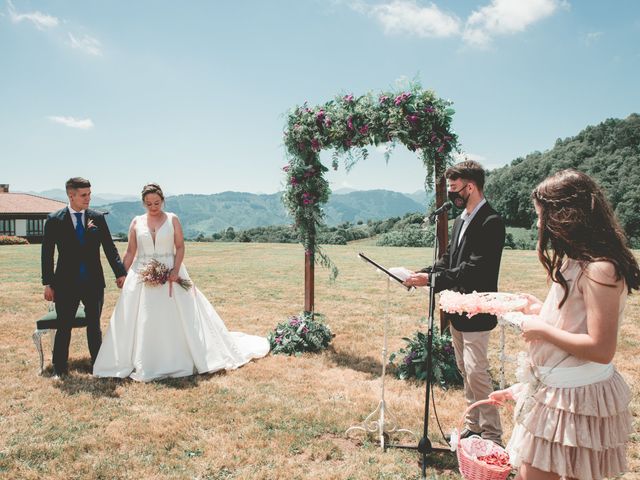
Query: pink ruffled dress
(574,420)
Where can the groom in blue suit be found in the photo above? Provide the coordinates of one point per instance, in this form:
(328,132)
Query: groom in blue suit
(77,233)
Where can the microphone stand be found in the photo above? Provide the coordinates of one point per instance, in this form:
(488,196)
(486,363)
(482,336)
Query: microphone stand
(424,446)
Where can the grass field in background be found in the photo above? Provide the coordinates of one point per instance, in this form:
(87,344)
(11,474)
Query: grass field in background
(275,418)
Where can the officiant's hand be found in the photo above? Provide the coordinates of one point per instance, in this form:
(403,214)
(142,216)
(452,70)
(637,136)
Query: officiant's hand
(417,280)
(120,281)
(49,294)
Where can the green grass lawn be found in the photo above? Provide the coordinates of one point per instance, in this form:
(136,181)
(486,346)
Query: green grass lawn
(276,418)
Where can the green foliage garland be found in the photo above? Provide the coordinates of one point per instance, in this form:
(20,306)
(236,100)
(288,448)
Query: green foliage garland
(347,125)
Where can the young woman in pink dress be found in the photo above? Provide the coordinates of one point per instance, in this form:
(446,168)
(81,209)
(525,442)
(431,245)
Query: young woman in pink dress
(572,414)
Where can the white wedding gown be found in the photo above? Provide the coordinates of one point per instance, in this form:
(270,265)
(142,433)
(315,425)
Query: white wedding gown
(153,335)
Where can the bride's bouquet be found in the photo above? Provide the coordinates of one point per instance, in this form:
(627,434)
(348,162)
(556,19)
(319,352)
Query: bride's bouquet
(155,274)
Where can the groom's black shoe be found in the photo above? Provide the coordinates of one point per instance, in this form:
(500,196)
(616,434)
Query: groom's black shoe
(465,433)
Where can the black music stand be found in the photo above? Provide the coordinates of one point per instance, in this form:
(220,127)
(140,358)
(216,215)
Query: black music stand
(424,446)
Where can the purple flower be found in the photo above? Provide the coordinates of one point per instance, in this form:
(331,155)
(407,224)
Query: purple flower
(409,358)
(383,98)
(278,340)
(294,322)
(293,181)
(402,98)
(307,198)
(364,130)
(350,122)
(305,330)
(441,148)
(327,122)
(412,118)
(348,143)
(348,98)
(320,115)
(429,109)
(286,168)
(315,144)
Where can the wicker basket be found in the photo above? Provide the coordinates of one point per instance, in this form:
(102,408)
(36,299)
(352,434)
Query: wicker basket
(470,467)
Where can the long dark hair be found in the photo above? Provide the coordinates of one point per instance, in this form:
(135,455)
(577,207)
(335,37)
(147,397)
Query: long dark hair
(577,221)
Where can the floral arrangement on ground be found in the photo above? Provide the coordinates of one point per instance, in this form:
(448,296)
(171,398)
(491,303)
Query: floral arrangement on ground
(13,240)
(411,361)
(306,332)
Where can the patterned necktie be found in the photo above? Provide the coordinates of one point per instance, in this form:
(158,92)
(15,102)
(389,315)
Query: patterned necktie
(80,234)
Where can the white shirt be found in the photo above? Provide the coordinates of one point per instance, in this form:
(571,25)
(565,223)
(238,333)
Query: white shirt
(74,219)
(467,217)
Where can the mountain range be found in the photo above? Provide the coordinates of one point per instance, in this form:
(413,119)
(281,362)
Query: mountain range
(208,214)
(96,199)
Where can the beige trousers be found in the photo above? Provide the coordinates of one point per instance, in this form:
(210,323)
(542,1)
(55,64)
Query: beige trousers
(471,357)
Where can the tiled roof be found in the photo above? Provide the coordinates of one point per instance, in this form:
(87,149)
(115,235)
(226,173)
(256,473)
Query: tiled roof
(27,203)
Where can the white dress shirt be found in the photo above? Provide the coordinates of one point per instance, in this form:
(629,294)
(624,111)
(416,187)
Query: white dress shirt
(467,217)
(74,219)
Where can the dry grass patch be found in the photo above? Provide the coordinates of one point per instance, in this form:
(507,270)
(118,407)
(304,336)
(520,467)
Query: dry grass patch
(279,417)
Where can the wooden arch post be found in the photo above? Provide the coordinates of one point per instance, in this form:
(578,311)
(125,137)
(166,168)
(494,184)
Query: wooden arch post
(443,230)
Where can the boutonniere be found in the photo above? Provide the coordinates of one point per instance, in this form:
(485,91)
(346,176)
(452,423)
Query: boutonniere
(91,226)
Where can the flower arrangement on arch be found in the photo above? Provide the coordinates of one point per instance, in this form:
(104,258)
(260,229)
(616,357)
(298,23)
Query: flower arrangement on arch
(300,333)
(414,117)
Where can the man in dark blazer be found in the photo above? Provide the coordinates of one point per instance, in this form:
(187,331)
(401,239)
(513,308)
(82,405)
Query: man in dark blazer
(471,263)
(77,233)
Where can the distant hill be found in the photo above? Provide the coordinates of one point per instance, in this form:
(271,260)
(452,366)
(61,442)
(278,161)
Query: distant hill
(609,152)
(208,214)
(97,199)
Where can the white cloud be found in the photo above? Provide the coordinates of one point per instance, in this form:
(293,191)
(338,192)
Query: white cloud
(407,17)
(464,156)
(505,17)
(71,122)
(87,44)
(39,19)
(592,37)
(499,17)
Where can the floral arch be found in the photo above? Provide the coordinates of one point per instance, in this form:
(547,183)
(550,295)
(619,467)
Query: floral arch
(416,118)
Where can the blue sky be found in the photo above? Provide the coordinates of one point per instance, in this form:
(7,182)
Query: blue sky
(193,94)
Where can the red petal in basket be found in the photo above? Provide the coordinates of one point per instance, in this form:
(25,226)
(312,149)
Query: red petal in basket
(498,459)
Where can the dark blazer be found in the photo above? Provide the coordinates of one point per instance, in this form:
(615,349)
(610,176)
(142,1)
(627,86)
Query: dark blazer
(59,233)
(473,265)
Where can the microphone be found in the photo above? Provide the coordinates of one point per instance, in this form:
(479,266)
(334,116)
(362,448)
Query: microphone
(443,208)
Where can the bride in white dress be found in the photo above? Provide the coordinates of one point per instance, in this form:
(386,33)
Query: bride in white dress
(157,331)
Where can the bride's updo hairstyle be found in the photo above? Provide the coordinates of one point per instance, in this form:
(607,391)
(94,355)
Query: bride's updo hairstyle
(577,221)
(152,188)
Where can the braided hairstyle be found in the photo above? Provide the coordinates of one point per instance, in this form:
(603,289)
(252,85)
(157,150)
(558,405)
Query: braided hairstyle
(577,221)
